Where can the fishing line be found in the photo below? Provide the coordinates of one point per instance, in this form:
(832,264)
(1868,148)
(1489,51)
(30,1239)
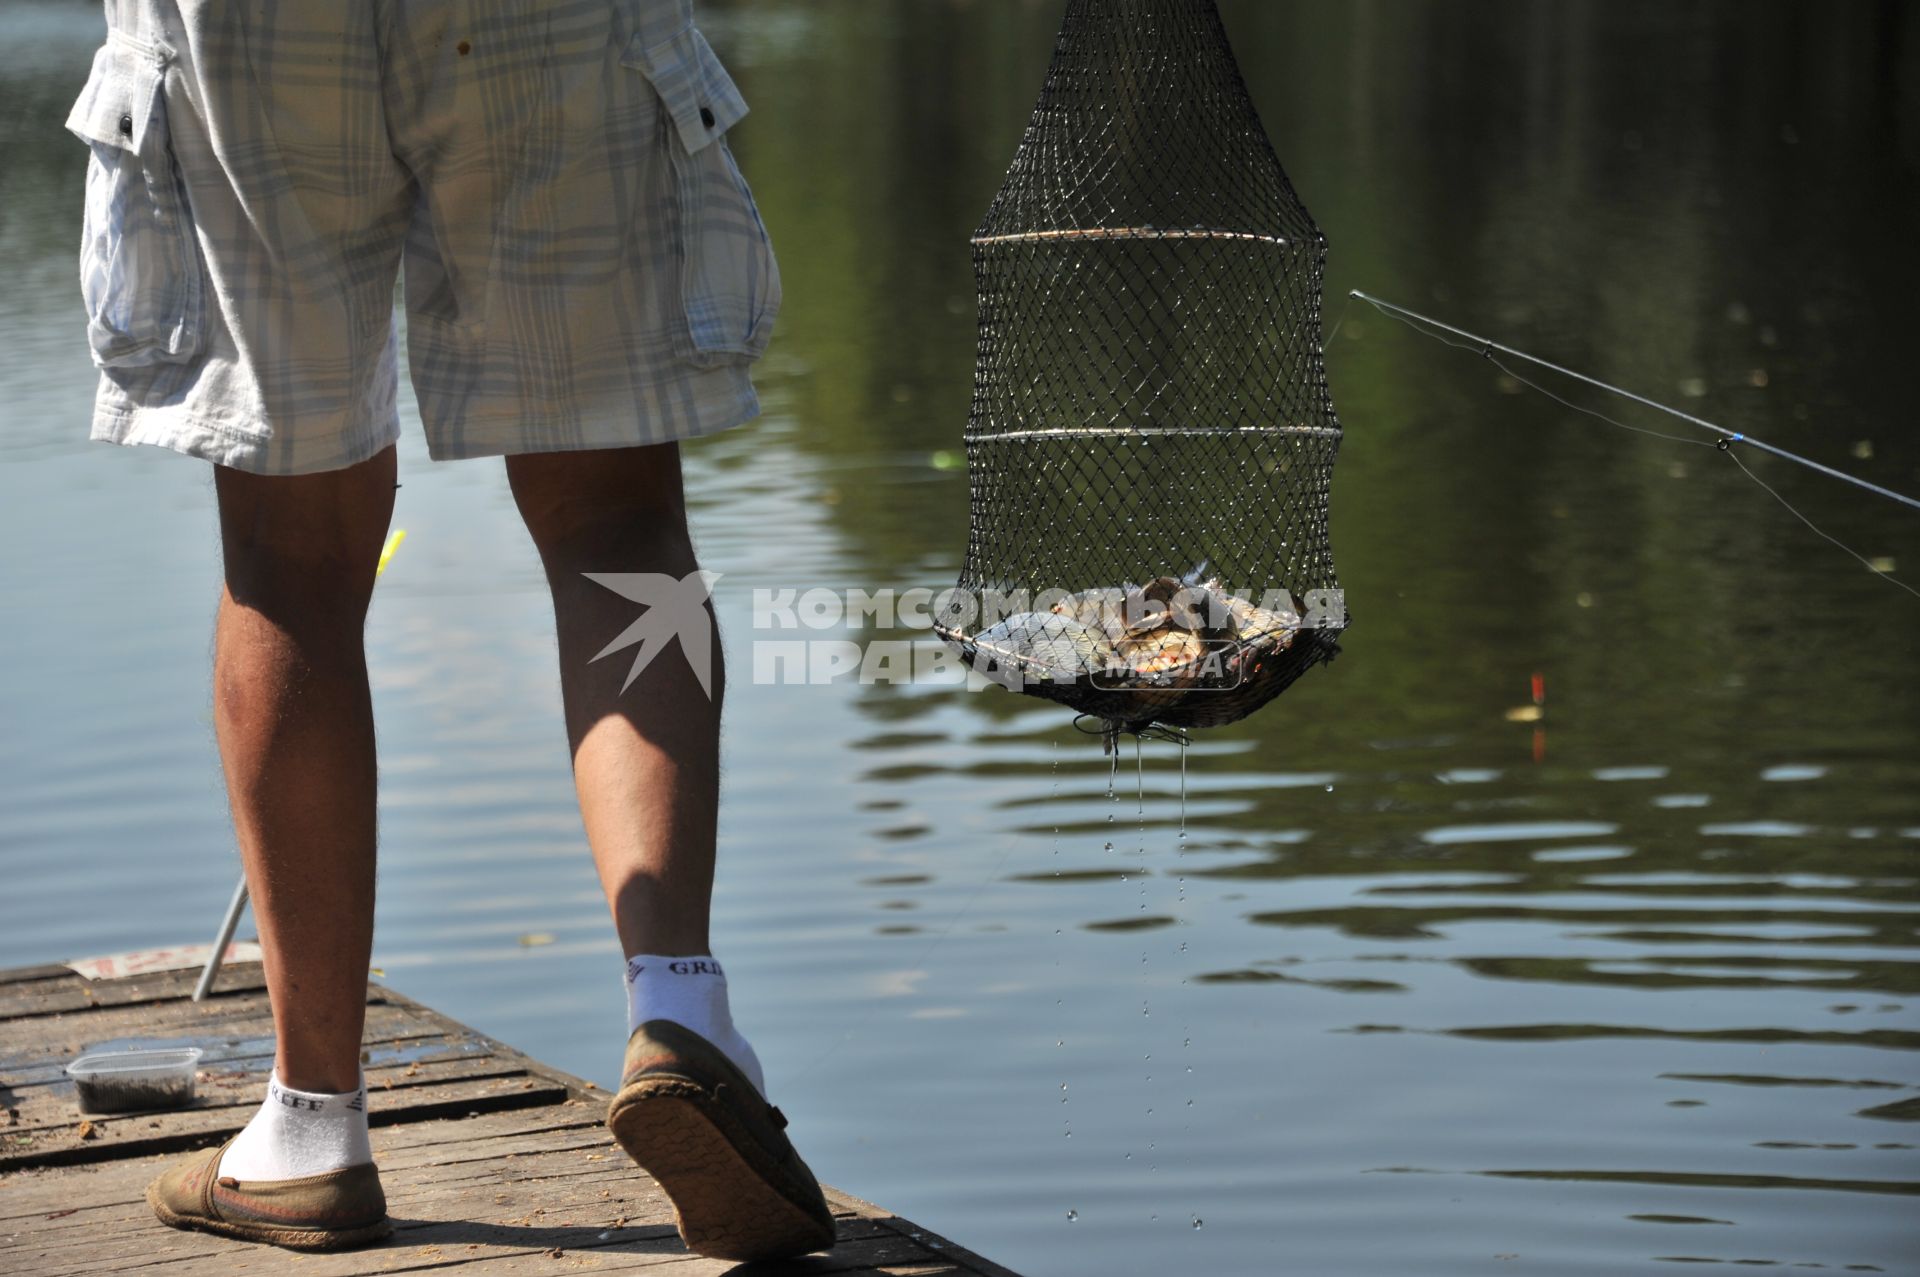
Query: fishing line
(1809,522)
(1725,440)
(1723,436)
(1425,331)
(1345,306)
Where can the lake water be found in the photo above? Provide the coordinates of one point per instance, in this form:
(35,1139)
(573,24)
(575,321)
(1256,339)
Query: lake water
(1422,989)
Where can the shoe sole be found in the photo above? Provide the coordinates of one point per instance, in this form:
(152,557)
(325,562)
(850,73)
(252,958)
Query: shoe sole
(726,1196)
(290,1238)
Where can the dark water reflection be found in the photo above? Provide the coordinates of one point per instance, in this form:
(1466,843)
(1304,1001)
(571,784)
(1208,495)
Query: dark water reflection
(1378,981)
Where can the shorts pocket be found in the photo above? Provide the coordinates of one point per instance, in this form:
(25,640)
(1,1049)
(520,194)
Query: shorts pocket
(139,265)
(730,284)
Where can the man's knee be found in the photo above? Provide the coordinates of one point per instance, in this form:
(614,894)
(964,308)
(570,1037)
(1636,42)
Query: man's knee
(312,539)
(611,502)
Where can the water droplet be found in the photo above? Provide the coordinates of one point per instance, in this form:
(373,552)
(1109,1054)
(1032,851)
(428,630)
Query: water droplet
(1074,1214)
(1129,1157)
(1109,847)
(1197,1221)
(1189,1103)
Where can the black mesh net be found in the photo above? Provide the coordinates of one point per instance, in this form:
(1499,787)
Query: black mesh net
(1152,441)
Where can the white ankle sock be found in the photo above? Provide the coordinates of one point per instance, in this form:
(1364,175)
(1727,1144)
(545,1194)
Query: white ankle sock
(692,992)
(298,1133)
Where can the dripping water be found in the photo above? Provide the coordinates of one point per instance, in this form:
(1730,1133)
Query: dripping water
(1060,1039)
(1180,900)
(1181,745)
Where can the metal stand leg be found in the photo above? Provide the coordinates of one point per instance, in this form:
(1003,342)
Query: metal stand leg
(225,938)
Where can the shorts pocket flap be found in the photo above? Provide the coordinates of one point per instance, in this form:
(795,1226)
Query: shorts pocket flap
(117,104)
(139,256)
(698,93)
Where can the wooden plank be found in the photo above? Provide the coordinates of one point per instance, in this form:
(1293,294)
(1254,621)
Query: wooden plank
(28,1044)
(54,996)
(45,971)
(28,1036)
(117,1009)
(50,1108)
(255,1055)
(404,1153)
(192,1128)
(528,1187)
(962,1259)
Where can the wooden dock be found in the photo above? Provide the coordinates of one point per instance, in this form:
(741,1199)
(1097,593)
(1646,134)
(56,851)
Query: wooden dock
(493,1163)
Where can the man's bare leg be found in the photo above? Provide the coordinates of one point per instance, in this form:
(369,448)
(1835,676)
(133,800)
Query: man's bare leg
(295,722)
(691,1107)
(646,762)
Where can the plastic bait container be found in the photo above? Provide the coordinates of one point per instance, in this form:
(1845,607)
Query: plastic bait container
(135,1081)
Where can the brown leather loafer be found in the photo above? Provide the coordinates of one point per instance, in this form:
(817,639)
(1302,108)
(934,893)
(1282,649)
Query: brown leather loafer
(317,1212)
(691,1119)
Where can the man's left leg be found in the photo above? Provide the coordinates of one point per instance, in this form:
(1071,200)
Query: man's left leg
(646,759)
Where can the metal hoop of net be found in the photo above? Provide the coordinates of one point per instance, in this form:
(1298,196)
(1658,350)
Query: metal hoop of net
(1151,442)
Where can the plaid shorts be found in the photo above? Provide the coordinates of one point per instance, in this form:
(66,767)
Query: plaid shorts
(584,264)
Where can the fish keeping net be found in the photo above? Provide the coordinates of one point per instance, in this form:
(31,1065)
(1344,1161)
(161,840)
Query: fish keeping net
(1151,442)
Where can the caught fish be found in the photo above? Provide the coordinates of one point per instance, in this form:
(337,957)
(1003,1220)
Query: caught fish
(1101,609)
(1161,651)
(1059,645)
(1252,623)
(1155,643)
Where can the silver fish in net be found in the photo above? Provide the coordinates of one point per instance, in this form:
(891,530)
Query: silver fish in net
(1046,645)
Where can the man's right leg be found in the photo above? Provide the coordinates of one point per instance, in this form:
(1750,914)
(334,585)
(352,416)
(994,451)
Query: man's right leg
(295,721)
(294,716)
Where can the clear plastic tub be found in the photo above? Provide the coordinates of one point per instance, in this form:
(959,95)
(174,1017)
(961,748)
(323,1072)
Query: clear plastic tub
(135,1081)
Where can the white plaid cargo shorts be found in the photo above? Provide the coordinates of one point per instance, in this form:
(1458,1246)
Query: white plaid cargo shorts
(584,264)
